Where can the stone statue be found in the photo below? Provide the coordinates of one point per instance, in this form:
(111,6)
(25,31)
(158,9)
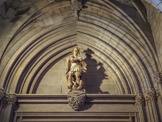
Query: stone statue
(75,68)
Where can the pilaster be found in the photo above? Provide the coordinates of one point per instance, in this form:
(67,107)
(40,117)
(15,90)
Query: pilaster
(2,94)
(157,78)
(150,98)
(140,102)
(159,101)
(10,100)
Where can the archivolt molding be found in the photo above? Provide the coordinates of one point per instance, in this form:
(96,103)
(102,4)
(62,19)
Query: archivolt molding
(116,56)
(120,43)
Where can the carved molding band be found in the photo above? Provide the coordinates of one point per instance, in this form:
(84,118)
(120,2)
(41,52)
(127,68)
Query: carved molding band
(76,99)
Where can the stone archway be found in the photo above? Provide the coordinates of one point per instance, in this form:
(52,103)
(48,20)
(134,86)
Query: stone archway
(112,40)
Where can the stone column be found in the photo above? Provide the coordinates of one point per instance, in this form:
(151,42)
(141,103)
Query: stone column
(150,98)
(10,104)
(2,94)
(140,105)
(159,101)
(157,78)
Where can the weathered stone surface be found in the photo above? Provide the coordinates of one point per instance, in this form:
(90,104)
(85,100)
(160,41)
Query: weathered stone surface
(2,94)
(139,100)
(118,47)
(97,80)
(76,99)
(155,20)
(11,98)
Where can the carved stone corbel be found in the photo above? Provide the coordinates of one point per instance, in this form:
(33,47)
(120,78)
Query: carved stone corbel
(139,99)
(76,99)
(11,98)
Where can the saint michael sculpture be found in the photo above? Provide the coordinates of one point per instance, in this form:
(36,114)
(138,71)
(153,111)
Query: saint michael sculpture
(75,68)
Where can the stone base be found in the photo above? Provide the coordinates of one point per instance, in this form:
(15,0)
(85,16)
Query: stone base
(76,99)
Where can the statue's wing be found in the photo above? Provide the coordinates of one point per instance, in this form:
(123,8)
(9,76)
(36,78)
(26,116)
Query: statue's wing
(84,66)
(68,65)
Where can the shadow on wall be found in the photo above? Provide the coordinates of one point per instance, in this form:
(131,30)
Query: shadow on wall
(95,74)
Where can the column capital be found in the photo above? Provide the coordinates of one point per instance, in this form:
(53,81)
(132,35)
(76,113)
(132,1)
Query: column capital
(157,92)
(150,95)
(139,99)
(11,98)
(157,77)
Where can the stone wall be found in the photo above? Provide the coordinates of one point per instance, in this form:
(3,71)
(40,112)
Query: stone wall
(155,19)
(13,13)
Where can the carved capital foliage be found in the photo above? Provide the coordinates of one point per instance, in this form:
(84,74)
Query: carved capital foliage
(76,100)
(150,95)
(139,100)
(11,98)
(158,94)
(2,93)
(157,77)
